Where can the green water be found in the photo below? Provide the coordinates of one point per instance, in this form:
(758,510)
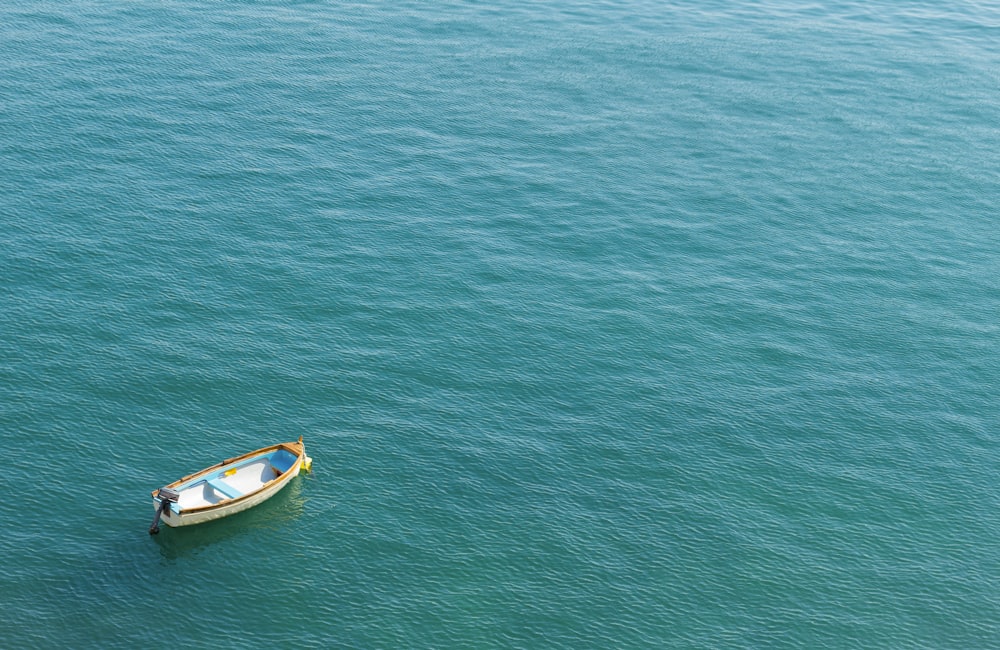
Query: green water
(607,325)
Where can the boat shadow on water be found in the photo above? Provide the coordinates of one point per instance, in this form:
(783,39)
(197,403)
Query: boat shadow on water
(281,509)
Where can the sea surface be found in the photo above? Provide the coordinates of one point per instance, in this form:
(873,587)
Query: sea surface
(607,324)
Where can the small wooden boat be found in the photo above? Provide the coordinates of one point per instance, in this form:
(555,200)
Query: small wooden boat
(229,487)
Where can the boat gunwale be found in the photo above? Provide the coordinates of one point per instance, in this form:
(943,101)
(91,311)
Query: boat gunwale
(296,448)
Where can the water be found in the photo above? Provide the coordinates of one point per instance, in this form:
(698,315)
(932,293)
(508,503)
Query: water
(641,324)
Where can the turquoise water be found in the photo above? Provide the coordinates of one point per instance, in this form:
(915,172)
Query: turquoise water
(607,324)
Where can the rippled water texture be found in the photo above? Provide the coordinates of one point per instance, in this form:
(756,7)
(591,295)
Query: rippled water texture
(607,325)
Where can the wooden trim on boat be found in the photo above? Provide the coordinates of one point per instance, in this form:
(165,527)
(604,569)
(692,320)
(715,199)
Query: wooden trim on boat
(295,448)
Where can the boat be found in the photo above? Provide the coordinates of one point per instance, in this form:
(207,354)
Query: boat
(231,486)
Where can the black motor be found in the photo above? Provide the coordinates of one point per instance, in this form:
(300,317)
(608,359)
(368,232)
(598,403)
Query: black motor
(166,497)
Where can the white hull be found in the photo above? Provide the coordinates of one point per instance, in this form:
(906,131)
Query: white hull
(232,486)
(226,508)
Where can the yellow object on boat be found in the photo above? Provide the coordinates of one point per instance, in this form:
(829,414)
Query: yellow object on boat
(307,464)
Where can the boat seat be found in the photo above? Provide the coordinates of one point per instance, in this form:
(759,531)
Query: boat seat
(222,488)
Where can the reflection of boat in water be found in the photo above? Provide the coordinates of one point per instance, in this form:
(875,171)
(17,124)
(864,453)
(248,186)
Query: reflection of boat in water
(231,486)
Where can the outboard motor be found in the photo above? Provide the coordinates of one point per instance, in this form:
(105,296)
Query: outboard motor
(166,497)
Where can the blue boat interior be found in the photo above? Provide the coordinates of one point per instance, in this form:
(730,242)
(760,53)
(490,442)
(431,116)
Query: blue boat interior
(233,481)
(282,460)
(224,488)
